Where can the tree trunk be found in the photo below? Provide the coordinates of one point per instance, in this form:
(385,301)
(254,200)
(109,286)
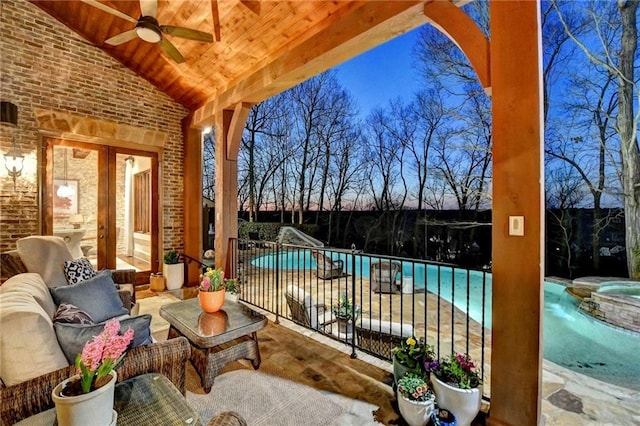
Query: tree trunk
(627,130)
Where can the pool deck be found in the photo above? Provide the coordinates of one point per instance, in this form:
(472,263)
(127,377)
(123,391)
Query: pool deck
(568,398)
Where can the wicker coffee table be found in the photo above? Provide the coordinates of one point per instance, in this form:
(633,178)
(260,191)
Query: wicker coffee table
(216,339)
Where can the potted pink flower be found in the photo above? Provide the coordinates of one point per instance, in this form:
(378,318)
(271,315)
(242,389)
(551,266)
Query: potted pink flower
(87,397)
(212,289)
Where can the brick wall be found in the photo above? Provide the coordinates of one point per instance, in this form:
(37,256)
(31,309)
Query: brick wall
(44,65)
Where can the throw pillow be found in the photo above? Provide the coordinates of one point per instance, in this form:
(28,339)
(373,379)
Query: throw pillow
(96,296)
(45,255)
(78,270)
(72,337)
(69,314)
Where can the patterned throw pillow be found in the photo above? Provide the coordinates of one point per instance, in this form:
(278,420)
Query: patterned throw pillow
(71,314)
(78,270)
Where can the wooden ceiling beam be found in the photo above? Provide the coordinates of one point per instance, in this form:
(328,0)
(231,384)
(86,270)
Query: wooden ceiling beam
(464,32)
(236,127)
(363,28)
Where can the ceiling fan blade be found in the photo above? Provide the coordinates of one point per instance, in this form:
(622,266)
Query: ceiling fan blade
(149,8)
(187,33)
(171,50)
(121,38)
(110,10)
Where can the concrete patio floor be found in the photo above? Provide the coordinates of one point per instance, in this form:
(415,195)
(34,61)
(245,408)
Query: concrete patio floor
(568,398)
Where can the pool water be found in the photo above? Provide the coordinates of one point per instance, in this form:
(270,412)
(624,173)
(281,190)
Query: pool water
(570,338)
(625,288)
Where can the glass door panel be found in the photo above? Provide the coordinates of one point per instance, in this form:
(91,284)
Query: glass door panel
(103,201)
(74,202)
(133,212)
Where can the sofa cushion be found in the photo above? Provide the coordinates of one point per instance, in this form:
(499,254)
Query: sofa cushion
(33,285)
(72,337)
(45,255)
(70,314)
(78,270)
(28,344)
(96,296)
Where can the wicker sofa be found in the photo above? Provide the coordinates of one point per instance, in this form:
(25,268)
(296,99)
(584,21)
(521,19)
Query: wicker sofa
(29,346)
(11,264)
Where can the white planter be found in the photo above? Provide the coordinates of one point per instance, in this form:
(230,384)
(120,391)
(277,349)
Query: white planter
(463,403)
(93,408)
(415,413)
(174,274)
(231,297)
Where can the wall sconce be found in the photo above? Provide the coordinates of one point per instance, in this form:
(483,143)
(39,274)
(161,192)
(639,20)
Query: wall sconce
(13,159)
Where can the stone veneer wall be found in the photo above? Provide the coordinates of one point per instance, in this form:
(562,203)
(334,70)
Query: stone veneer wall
(616,309)
(46,66)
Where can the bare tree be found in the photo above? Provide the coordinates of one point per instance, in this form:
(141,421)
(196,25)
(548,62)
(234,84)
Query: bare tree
(261,124)
(619,60)
(564,191)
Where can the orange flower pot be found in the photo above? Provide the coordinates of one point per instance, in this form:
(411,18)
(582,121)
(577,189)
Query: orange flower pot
(211,301)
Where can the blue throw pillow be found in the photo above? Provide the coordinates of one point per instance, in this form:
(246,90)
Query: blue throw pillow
(96,296)
(72,337)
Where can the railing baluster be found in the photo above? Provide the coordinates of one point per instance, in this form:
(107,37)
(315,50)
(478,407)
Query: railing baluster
(278,274)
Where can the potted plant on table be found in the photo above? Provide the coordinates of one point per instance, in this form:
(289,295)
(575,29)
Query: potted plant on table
(173,270)
(411,356)
(212,289)
(415,399)
(345,312)
(457,385)
(87,397)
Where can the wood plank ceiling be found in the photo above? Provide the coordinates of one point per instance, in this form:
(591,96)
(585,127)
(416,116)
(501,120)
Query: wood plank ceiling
(248,35)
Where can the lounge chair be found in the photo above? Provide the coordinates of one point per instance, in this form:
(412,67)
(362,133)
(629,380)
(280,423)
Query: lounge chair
(383,276)
(379,337)
(327,267)
(305,312)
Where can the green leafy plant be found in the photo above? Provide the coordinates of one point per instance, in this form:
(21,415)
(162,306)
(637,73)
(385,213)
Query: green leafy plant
(345,308)
(213,280)
(414,387)
(171,257)
(413,353)
(456,370)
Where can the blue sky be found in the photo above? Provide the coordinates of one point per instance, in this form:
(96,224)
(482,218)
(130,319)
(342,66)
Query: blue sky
(381,74)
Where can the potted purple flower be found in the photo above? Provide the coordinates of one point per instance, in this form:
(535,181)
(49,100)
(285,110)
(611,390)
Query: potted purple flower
(457,385)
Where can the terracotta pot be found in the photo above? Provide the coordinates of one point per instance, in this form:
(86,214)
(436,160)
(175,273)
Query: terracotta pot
(211,301)
(415,413)
(463,403)
(93,408)
(212,324)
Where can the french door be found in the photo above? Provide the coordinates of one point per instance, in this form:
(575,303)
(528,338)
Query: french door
(103,200)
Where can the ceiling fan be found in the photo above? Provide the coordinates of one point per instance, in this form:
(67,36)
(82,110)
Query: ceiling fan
(148,29)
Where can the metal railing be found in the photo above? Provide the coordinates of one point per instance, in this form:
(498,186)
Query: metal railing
(397,297)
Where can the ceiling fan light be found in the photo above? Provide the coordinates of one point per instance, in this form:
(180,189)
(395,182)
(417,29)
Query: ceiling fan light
(148,32)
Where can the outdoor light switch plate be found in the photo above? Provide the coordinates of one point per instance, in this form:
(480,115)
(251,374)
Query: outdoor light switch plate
(516,226)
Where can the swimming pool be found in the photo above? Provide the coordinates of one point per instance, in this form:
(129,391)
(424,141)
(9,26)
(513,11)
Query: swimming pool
(624,288)
(570,338)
